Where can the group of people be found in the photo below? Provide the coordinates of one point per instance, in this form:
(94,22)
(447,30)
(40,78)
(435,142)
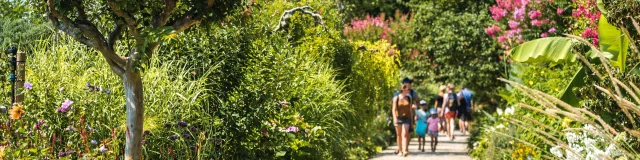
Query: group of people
(424,119)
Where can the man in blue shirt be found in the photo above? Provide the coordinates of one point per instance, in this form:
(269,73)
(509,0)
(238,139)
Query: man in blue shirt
(464,111)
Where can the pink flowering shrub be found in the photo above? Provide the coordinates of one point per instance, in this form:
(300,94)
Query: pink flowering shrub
(586,14)
(517,21)
(376,28)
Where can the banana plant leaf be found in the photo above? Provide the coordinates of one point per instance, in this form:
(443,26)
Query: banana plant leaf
(577,81)
(612,40)
(550,49)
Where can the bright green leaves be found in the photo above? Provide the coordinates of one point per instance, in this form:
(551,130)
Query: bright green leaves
(613,41)
(551,49)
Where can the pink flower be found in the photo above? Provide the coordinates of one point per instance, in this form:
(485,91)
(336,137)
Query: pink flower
(552,30)
(544,35)
(497,13)
(595,41)
(292,129)
(502,39)
(513,24)
(535,14)
(559,10)
(576,14)
(518,14)
(491,31)
(536,23)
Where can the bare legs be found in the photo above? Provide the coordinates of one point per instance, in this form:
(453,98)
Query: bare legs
(399,139)
(402,134)
(451,127)
(461,124)
(405,139)
(434,142)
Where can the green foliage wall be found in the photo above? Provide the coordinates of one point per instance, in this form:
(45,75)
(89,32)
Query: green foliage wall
(452,48)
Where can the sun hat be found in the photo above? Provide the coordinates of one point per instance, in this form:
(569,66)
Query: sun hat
(433,111)
(423,102)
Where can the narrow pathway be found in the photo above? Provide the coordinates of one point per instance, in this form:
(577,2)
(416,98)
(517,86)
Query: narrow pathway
(446,149)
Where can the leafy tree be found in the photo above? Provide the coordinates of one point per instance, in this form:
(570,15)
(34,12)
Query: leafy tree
(147,25)
(448,45)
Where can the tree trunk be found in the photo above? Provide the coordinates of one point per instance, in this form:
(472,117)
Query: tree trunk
(135,113)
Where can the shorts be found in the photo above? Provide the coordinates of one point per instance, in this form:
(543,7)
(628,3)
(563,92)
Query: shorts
(402,121)
(464,115)
(433,133)
(450,115)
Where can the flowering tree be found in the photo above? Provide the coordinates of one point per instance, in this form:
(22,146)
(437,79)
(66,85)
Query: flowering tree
(147,23)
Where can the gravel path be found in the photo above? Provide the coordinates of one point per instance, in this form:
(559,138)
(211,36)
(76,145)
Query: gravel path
(446,149)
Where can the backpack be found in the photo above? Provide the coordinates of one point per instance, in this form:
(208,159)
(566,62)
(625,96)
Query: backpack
(453,101)
(404,112)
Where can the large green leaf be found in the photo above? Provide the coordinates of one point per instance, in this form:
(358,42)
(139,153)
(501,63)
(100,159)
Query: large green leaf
(551,49)
(601,7)
(613,41)
(577,81)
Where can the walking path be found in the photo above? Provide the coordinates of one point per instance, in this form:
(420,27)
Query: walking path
(446,149)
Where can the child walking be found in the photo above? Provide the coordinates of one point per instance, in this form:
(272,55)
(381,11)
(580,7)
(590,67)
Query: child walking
(421,125)
(433,122)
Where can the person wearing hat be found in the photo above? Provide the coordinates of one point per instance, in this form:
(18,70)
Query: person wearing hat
(421,124)
(406,83)
(432,124)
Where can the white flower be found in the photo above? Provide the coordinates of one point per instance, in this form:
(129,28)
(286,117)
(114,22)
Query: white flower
(500,126)
(572,138)
(103,149)
(475,144)
(612,151)
(509,111)
(499,111)
(557,151)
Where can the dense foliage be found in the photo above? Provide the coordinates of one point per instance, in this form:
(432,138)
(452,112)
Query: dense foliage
(234,90)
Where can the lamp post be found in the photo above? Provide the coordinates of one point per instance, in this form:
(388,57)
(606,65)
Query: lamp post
(12,52)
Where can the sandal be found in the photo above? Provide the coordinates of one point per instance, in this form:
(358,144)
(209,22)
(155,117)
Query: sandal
(405,154)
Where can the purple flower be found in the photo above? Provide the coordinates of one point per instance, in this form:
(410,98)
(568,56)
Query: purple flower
(264,131)
(108,91)
(143,142)
(40,122)
(94,142)
(552,30)
(62,154)
(519,13)
(28,85)
(88,84)
(173,137)
(103,149)
(69,152)
(186,136)
(145,133)
(69,128)
(292,129)
(64,108)
(193,129)
(182,124)
(513,24)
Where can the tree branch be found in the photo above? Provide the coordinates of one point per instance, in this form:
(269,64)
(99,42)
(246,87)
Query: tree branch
(86,33)
(162,18)
(128,19)
(115,35)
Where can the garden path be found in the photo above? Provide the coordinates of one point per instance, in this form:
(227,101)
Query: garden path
(446,149)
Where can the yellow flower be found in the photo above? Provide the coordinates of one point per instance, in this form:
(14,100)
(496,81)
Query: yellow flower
(566,122)
(1,153)
(16,112)
(530,82)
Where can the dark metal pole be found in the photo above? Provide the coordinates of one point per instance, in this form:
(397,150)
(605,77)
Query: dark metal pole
(12,77)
